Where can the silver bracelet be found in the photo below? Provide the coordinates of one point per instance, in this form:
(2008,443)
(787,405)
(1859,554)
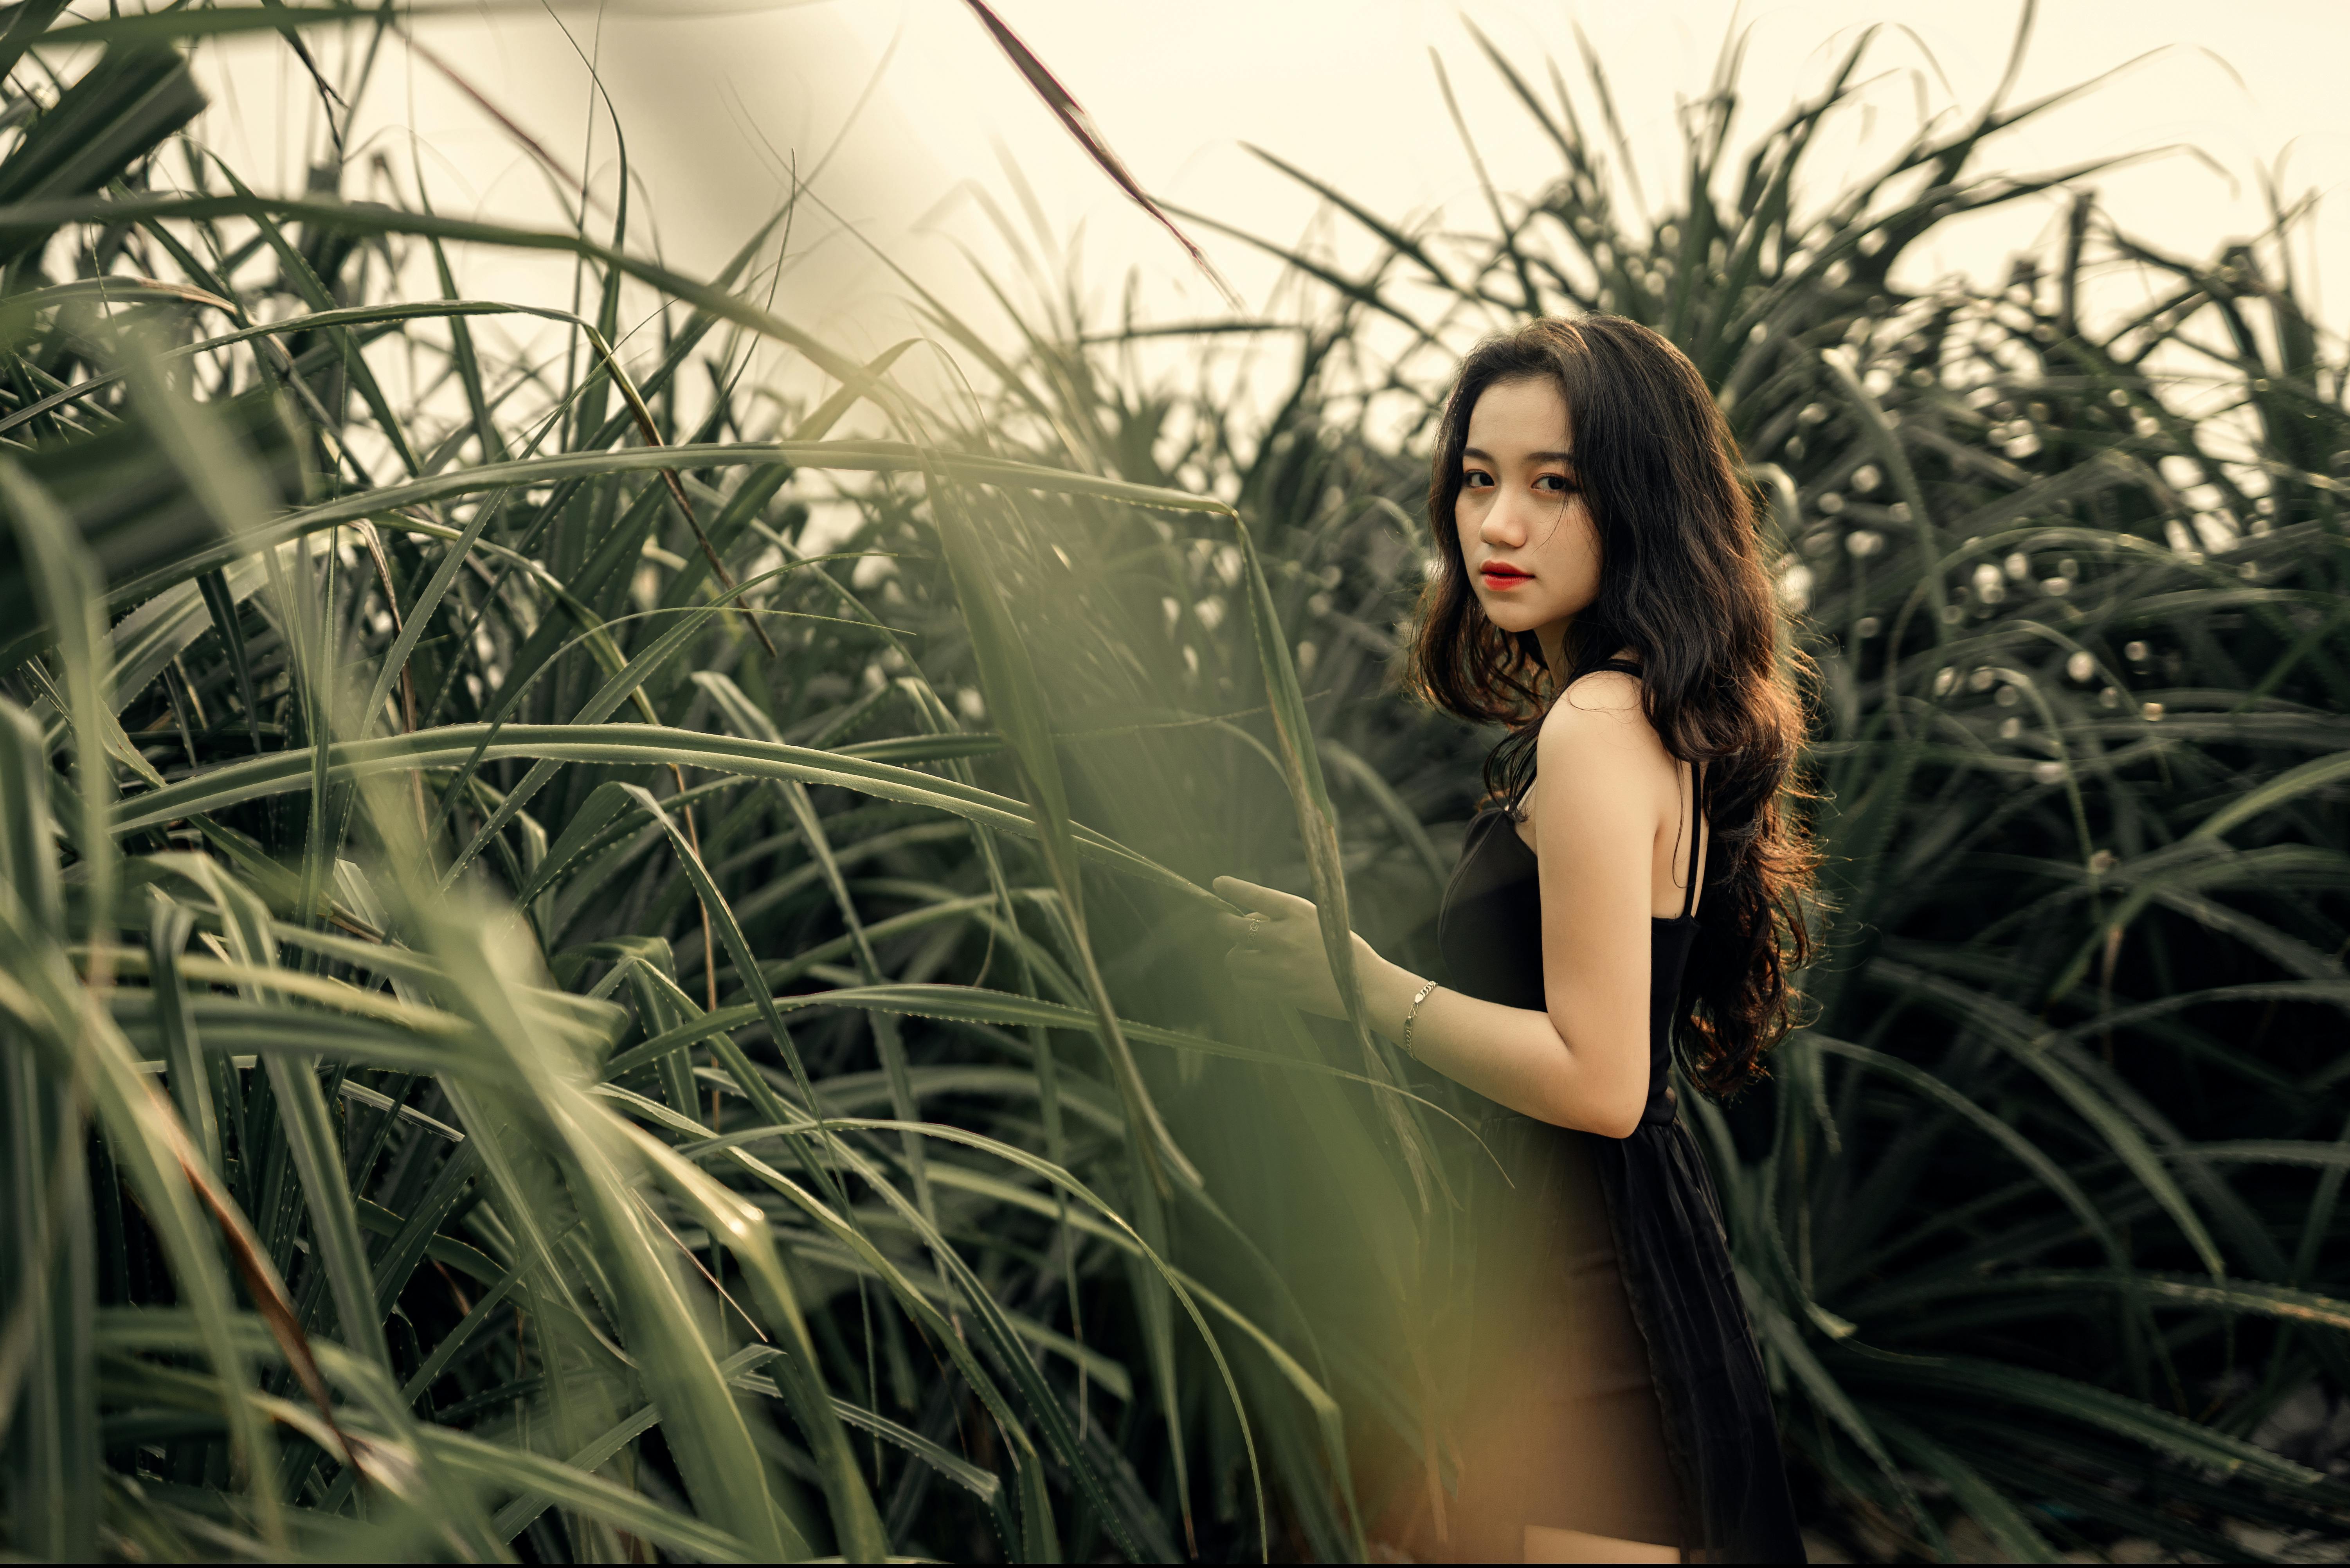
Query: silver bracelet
(1412,1016)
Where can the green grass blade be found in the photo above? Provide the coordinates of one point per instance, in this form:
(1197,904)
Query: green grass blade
(65,586)
(565,1486)
(2009,1527)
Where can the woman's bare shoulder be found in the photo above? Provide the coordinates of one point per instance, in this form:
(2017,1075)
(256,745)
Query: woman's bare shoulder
(1603,691)
(1599,718)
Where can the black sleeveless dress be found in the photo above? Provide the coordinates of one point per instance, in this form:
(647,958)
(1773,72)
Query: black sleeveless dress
(1633,1401)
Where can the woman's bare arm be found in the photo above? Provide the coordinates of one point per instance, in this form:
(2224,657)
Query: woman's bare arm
(1605,784)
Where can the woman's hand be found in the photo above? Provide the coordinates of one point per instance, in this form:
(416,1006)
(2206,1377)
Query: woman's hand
(1277,946)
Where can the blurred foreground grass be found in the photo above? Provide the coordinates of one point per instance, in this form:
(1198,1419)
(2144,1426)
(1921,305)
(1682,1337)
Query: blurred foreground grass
(548,1006)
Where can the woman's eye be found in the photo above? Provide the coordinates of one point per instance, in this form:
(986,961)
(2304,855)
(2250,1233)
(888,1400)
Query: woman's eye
(1473,480)
(1556,483)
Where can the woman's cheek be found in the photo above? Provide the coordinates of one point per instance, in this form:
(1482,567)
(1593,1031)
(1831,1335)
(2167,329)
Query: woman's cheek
(1585,575)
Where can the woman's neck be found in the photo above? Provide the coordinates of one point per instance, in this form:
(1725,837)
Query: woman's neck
(1558,650)
(1553,641)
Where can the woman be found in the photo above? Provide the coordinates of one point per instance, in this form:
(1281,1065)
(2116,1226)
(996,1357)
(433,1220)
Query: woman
(1635,885)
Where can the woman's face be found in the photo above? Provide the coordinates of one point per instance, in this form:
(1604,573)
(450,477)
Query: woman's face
(1526,535)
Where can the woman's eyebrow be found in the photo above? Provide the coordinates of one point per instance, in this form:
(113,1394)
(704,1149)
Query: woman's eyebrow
(1468,452)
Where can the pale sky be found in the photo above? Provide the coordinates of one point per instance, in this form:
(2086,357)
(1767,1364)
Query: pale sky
(713,106)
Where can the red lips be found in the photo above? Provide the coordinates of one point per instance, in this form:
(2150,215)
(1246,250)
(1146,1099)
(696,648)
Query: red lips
(1501,575)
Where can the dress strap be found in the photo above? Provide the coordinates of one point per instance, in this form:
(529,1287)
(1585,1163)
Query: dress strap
(1696,838)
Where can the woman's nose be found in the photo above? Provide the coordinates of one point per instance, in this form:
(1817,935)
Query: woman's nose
(1503,526)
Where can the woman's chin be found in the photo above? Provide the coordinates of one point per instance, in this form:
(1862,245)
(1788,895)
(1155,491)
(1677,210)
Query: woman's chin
(1516,618)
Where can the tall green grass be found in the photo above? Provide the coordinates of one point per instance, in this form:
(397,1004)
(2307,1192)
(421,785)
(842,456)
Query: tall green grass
(535,1017)
(2039,1218)
(544,1011)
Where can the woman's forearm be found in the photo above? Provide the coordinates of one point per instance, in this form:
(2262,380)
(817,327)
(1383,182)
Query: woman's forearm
(1583,1064)
(1515,1055)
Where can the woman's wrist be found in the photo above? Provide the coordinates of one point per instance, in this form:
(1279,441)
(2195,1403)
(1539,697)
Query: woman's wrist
(1388,990)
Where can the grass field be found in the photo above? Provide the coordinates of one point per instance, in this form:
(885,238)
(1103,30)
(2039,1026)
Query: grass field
(549,1006)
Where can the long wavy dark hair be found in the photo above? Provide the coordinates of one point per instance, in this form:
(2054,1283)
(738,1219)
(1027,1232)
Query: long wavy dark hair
(1683,592)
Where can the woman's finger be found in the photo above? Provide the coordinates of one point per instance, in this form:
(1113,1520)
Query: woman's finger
(1242,929)
(1256,925)
(1245,942)
(1247,894)
(1264,900)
